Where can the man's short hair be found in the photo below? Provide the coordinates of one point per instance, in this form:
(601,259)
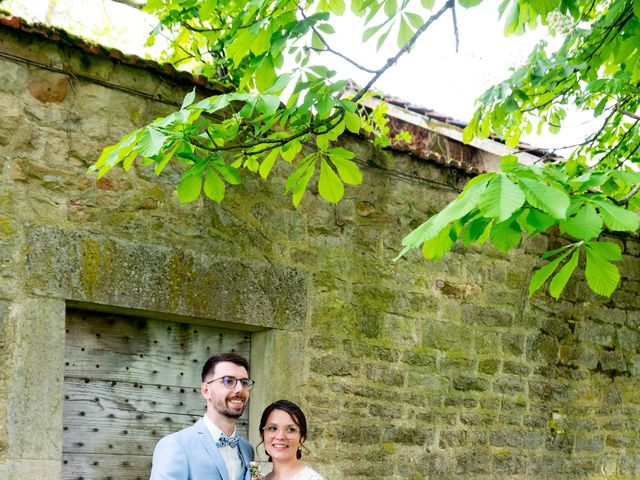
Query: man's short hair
(213,360)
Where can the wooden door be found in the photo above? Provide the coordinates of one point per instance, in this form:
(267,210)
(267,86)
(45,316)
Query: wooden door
(128,382)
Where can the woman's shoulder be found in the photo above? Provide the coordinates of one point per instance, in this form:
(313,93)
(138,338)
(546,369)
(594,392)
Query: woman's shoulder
(309,473)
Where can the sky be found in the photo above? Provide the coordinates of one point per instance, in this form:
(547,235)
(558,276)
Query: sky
(433,75)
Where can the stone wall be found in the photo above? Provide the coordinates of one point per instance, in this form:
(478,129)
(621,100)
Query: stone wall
(407,369)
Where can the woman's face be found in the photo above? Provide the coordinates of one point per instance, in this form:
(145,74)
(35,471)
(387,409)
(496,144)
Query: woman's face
(281,436)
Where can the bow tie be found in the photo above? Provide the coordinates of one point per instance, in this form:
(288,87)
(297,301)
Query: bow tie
(225,440)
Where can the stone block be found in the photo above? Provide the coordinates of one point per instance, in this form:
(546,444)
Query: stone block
(453,439)
(384,374)
(612,360)
(465,383)
(516,368)
(333,365)
(581,355)
(513,343)
(408,435)
(489,366)
(429,382)
(508,463)
(589,443)
(37,359)
(627,339)
(420,359)
(543,348)
(524,439)
(455,361)
(634,364)
(447,336)
(472,463)
(488,316)
(400,330)
(432,465)
(460,402)
(386,411)
(354,434)
(546,466)
(30,468)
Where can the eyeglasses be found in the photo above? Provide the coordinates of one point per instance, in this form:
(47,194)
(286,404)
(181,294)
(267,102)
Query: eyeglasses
(287,430)
(230,382)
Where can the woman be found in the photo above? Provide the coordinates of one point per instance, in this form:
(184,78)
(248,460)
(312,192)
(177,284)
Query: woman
(283,428)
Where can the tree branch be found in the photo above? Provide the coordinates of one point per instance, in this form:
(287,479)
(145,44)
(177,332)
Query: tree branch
(629,114)
(331,50)
(624,200)
(455,26)
(407,46)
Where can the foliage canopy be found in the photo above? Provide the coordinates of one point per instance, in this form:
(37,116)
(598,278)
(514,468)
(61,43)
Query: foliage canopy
(243,46)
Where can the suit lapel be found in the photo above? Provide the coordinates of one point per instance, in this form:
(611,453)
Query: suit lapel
(243,458)
(211,448)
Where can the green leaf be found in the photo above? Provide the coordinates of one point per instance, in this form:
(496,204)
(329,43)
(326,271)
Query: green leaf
(404,33)
(151,142)
(414,19)
(337,7)
(506,235)
(501,198)
(559,281)
(541,276)
(371,31)
(267,104)
(585,225)
(435,248)
(469,3)
(513,20)
(466,202)
(324,105)
(543,197)
(267,163)
(280,84)
(298,180)
(326,28)
(534,221)
(617,218)
(347,169)
(213,104)
(428,4)
(189,187)
(214,187)
(330,186)
(188,99)
(265,75)
(390,7)
(352,122)
(608,250)
(229,173)
(322,141)
(602,276)
(476,231)
(290,150)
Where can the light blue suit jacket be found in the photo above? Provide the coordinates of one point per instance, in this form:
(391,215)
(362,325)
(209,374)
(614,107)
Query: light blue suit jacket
(191,454)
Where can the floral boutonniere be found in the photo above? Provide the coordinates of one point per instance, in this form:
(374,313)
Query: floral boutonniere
(254,470)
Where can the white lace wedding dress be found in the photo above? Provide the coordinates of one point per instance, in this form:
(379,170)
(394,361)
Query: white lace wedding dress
(307,473)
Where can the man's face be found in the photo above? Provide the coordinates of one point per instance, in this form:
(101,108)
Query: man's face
(223,401)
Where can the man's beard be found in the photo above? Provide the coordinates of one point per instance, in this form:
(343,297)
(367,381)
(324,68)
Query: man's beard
(226,411)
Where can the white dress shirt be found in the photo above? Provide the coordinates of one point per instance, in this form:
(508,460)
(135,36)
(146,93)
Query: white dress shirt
(229,454)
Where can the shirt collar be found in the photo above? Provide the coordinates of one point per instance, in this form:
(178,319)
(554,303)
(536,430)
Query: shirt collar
(213,429)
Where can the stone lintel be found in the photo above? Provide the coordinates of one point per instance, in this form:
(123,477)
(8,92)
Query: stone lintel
(116,274)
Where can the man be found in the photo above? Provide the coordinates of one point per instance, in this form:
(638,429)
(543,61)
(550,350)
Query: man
(210,449)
